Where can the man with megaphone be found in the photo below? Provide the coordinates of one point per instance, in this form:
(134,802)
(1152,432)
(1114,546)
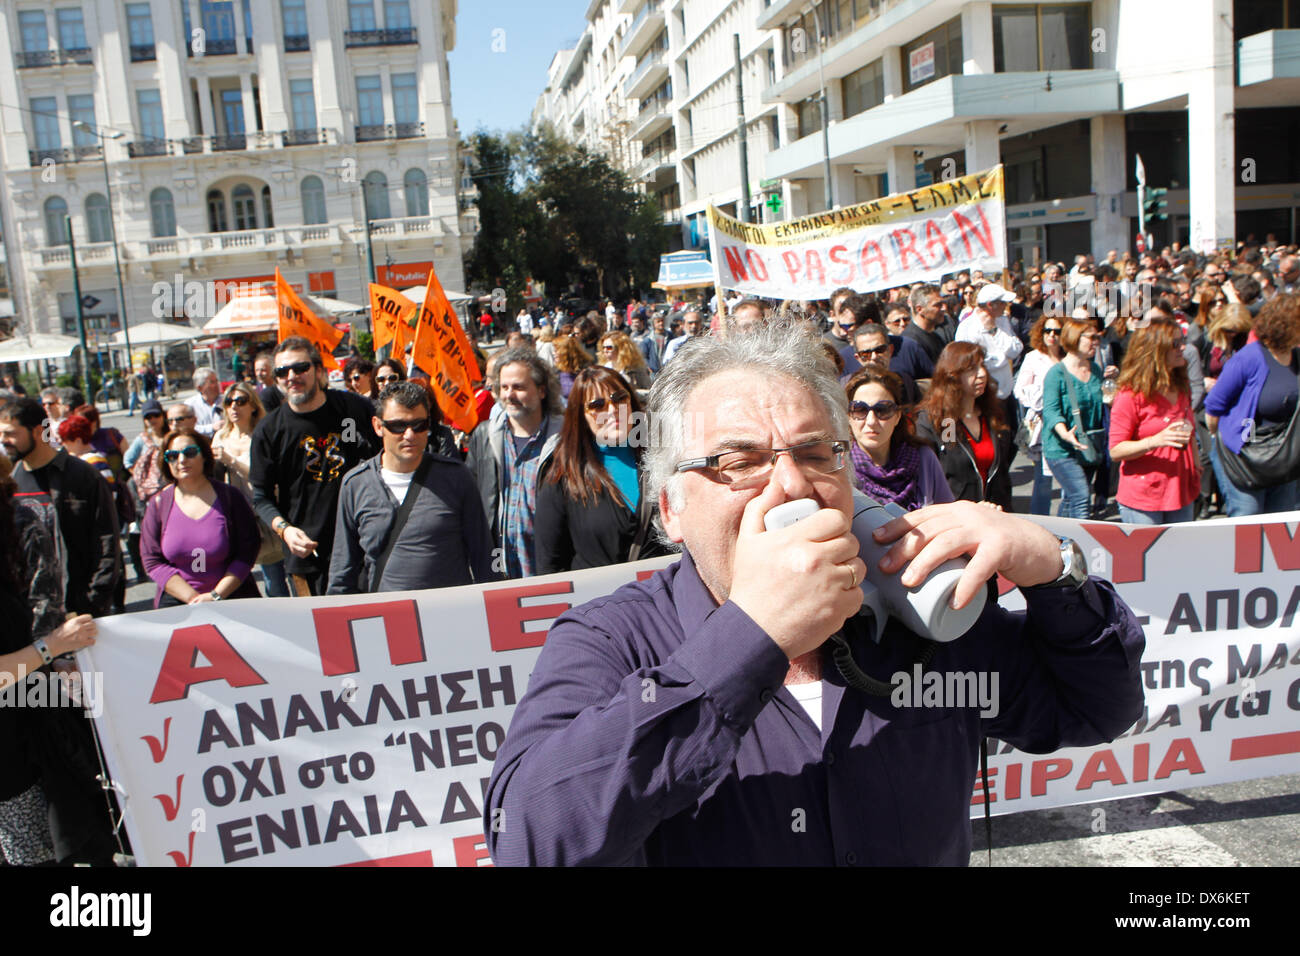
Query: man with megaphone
(736,707)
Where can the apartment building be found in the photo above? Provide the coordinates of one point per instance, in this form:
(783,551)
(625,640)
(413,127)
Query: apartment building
(1066,95)
(216,140)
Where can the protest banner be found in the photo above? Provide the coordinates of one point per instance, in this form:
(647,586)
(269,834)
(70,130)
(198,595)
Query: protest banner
(297,319)
(391,313)
(441,348)
(361,730)
(922,235)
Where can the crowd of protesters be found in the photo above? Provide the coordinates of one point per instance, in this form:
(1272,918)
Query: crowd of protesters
(1139,383)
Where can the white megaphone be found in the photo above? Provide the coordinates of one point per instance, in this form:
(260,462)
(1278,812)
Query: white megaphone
(924,609)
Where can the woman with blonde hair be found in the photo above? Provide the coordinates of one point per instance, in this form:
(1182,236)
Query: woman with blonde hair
(1151,429)
(1229,330)
(231,449)
(570,359)
(619,352)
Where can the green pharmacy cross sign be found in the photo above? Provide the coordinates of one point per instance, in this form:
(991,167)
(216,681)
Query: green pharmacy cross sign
(774,203)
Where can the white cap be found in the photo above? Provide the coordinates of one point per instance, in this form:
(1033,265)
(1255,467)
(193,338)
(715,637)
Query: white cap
(993,293)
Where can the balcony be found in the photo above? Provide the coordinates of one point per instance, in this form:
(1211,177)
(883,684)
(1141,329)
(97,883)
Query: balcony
(302,137)
(394,37)
(228,143)
(214,243)
(650,70)
(62,154)
(141,52)
(195,145)
(645,27)
(421,226)
(148,147)
(296,43)
(370,134)
(26,59)
(653,118)
(655,164)
(88,253)
(219,46)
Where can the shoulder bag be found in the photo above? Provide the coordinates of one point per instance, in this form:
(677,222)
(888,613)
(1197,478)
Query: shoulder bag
(1269,456)
(372,581)
(1091,451)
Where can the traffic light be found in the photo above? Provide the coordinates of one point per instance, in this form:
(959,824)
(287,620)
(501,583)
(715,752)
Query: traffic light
(1156,205)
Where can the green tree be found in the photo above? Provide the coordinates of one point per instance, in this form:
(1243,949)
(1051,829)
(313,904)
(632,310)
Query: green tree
(498,259)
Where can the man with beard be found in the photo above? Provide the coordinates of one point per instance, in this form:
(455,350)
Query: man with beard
(300,453)
(507,454)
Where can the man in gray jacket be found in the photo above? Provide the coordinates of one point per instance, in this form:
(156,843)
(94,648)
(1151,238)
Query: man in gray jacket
(408,518)
(506,455)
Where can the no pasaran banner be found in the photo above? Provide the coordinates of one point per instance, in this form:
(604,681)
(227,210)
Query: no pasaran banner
(916,236)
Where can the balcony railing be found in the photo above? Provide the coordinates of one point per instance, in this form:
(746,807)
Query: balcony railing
(367,134)
(31,58)
(302,137)
(148,147)
(141,52)
(63,154)
(225,144)
(220,46)
(264,139)
(406,226)
(391,37)
(296,43)
(223,243)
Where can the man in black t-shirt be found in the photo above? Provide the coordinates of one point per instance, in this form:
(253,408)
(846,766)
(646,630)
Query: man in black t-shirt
(300,453)
(928,328)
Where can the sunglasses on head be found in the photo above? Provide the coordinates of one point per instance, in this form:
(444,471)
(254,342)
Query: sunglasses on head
(399,427)
(883,410)
(175,454)
(600,401)
(297,368)
(236,400)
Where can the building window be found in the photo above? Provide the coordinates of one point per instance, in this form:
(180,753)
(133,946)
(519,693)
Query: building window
(162,213)
(397,14)
(406,100)
(139,27)
(809,112)
(149,104)
(268,220)
(302,99)
(31,24)
(98,226)
(932,55)
(370,101)
(375,191)
(245,207)
(232,111)
(72,28)
(217,211)
(81,109)
(45,120)
(361,15)
(313,201)
(416,186)
(55,212)
(218,18)
(294,14)
(864,88)
(1044,36)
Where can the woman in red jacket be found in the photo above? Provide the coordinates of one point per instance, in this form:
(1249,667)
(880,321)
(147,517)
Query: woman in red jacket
(1151,430)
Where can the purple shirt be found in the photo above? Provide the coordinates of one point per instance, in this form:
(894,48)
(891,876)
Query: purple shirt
(656,730)
(228,534)
(182,537)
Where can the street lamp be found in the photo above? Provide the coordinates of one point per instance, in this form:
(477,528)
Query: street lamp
(825,109)
(112,230)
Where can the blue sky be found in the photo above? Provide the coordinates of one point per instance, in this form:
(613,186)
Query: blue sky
(496,88)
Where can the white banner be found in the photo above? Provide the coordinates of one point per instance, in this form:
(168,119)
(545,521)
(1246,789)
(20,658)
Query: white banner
(916,236)
(362,730)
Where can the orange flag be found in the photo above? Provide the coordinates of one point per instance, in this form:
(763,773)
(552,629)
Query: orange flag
(442,351)
(391,314)
(297,319)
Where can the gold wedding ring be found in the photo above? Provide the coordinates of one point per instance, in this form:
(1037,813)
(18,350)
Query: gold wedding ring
(853,578)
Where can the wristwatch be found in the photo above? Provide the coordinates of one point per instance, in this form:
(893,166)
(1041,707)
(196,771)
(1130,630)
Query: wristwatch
(1075,570)
(44,650)
(216,596)
(278,526)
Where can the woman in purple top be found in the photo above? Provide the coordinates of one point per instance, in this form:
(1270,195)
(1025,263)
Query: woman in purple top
(199,538)
(890,463)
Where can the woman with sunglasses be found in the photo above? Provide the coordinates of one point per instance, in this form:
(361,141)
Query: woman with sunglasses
(199,538)
(1045,351)
(890,463)
(962,417)
(386,372)
(359,376)
(619,352)
(232,448)
(592,508)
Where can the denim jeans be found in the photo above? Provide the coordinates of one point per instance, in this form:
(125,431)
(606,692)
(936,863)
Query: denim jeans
(1129,515)
(1243,501)
(1076,484)
(1040,499)
(273,580)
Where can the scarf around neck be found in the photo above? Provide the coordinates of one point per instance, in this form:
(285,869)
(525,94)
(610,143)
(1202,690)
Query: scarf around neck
(895,482)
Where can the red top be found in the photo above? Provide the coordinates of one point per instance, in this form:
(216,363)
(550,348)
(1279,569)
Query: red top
(1164,479)
(982,448)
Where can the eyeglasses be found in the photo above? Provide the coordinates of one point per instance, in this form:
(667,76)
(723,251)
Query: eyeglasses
(600,401)
(1051,331)
(297,368)
(385,379)
(884,411)
(240,400)
(50,404)
(356,377)
(607,348)
(179,418)
(878,350)
(399,426)
(174,454)
(748,468)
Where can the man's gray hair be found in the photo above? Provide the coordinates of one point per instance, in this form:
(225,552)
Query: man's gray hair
(201,375)
(777,347)
(543,375)
(920,295)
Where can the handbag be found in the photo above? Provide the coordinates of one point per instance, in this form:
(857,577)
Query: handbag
(1091,450)
(1029,436)
(1268,458)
